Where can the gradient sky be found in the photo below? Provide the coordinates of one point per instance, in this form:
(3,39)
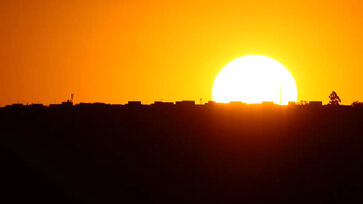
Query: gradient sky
(116,51)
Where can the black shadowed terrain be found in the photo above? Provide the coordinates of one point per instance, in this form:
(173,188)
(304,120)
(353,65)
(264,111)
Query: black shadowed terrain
(184,153)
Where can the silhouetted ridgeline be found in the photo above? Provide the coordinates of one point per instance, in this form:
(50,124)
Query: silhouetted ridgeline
(181,153)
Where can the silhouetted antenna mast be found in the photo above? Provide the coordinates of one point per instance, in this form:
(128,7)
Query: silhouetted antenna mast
(72,96)
(201,100)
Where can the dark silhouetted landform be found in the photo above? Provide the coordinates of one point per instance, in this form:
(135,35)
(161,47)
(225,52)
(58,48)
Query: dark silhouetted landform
(182,153)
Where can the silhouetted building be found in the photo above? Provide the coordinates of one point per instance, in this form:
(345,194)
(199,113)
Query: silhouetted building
(185,103)
(37,107)
(236,103)
(268,103)
(117,106)
(291,103)
(84,105)
(163,103)
(315,103)
(159,104)
(16,106)
(64,105)
(134,103)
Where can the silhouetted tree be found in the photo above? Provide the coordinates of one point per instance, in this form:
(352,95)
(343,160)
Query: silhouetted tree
(334,98)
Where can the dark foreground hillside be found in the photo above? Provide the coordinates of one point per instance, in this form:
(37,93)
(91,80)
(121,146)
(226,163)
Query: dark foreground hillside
(181,154)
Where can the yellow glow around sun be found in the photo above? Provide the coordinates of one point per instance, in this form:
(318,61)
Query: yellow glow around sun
(254,79)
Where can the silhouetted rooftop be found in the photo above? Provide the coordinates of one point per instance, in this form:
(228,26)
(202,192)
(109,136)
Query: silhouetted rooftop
(179,104)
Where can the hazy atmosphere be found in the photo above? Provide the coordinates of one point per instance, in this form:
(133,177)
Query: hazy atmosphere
(116,51)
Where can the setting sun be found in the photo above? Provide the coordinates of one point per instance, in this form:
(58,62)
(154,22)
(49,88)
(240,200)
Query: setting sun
(254,79)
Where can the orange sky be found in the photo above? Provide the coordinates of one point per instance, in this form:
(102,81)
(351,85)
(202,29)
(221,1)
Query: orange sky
(115,51)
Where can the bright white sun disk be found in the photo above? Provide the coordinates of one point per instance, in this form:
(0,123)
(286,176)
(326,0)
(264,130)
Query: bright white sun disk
(254,79)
